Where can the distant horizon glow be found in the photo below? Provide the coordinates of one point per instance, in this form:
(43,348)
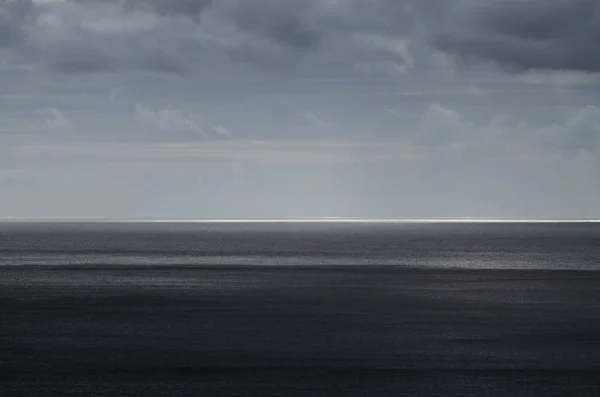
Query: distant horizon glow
(297,220)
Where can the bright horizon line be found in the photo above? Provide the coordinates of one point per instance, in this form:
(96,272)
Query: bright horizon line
(297,220)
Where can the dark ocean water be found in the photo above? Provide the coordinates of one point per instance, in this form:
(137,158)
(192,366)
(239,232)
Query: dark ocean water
(291,309)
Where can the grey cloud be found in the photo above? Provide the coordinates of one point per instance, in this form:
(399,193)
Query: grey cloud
(319,123)
(416,164)
(90,36)
(440,126)
(4,130)
(374,35)
(286,22)
(172,7)
(12,17)
(187,8)
(77,57)
(384,17)
(49,122)
(221,130)
(525,35)
(56,120)
(581,131)
(72,38)
(79,36)
(299,25)
(169,121)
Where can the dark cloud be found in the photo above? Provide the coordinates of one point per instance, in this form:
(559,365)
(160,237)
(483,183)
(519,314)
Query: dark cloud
(84,61)
(287,23)
(262,32)
(307,25)
(107,54)
(518,34)
(525,35)
(12,17)
(68,59)
(187,8)
(385,17)
(77,36)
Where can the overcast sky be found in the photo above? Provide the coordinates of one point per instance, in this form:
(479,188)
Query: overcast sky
(294,108)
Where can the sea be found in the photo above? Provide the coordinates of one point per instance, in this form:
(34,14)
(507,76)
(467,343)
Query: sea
(299,308)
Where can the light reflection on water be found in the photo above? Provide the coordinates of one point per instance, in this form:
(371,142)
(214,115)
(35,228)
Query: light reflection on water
(451,245)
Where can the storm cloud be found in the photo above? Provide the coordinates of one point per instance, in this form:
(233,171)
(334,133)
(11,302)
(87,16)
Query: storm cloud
(525,35)
(168,36)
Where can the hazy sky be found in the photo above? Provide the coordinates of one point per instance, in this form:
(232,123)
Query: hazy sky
(252,108)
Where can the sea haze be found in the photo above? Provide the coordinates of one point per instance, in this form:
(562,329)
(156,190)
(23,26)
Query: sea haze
(299,308)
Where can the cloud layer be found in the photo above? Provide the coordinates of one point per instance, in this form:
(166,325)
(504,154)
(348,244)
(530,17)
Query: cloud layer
(91,35)
(364,107)
(523,35)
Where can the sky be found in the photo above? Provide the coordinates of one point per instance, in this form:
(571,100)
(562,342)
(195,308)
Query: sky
(300,108)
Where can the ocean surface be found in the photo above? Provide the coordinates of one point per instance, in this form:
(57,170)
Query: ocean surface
(299,309)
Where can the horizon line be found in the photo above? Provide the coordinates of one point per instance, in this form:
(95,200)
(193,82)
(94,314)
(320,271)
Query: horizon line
(293,220)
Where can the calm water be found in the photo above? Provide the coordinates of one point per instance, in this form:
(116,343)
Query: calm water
(299,309)
(472,246)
